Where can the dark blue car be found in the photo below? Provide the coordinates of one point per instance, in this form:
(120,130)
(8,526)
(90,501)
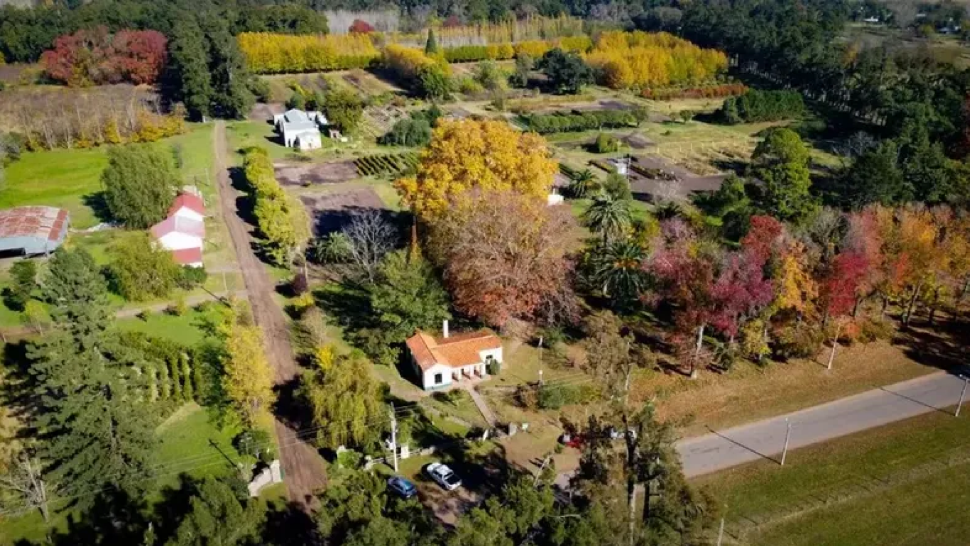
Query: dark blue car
(401,487)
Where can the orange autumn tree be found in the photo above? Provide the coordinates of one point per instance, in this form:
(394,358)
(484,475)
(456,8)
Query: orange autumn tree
(504,256)
(470,154)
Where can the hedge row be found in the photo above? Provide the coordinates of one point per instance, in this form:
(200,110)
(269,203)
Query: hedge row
(564,122)
(533,48)
(268,53)
(755,106)
(707,92)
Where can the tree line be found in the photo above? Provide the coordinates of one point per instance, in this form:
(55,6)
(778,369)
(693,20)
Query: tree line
(638,59)
(93,57)
(563,122)
(280,217)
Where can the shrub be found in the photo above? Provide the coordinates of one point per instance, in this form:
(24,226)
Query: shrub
(874,329)
(606,144)
(562,122)
(796,342)
(256,443)
(494,367)
(191,277)
(556,395)
(361,27)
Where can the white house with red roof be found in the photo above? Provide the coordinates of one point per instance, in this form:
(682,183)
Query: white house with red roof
(441,361)
(183,232)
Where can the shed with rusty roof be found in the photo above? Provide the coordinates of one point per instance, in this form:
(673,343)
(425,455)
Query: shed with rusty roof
(33,230)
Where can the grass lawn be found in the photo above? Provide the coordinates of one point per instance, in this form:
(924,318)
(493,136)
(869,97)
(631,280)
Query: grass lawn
(895,485)
(58,178)
(182,329)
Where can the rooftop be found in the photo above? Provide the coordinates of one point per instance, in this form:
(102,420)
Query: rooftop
(189,201)
(39,222)
(178,224)
(455,351)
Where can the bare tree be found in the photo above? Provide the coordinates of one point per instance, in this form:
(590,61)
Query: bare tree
(24,479)
(371,236)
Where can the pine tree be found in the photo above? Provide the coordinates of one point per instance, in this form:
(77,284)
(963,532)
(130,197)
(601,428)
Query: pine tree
(188,79)
(431,46)
(232,97)
(91,388)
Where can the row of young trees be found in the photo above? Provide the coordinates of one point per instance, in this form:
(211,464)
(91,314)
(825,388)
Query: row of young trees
(563,122)
(62,118)
(425,71)
(267,53)
(755,106)
(96,57)
(280,217)
(638,59)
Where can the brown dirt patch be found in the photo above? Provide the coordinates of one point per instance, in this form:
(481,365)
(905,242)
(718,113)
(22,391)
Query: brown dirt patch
(290,174)
(264,112)
(330,211)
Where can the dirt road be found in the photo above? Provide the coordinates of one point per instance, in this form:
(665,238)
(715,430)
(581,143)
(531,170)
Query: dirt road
(302,465)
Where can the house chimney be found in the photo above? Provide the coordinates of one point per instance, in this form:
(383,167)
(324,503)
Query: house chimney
(444,329)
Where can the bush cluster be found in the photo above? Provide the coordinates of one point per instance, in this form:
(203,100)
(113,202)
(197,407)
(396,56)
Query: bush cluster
(563,122)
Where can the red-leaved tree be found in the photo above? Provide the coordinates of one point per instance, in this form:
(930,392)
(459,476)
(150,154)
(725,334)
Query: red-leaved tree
(838,289)
(361,27)
(95,57)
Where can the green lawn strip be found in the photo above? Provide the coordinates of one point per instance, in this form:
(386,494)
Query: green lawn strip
(182,329)
(873,466)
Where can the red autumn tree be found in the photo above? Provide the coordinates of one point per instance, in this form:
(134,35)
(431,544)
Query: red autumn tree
(763,238)
(451,22)
(497,269)
(95,57)
(682,269)
(864,238)
(361,27)
(741,291)
(838,289)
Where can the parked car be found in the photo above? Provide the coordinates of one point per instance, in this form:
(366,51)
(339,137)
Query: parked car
(574,441)
(401,487)
(443,475)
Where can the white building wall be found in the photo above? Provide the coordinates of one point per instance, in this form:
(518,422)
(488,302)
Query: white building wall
(185,212)
(427,379)
(179,241)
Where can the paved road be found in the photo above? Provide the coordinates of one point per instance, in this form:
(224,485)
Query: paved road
(302,465)
(766,439)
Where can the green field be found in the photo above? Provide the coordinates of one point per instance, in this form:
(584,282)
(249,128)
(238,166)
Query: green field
(71,179)
(895,485)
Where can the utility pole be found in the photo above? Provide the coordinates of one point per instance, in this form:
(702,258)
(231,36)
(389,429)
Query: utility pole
(963,395)
(540,361)
(394,437)
(784,452)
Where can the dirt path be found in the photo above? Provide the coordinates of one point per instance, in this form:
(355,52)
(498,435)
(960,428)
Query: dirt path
(481,405)
(302,466)
(190,301)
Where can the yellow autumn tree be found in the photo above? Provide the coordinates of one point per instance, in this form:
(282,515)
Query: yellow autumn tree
(796,290)
(472,154)
(641,59)
(247,376)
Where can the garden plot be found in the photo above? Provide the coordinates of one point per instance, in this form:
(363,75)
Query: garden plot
(655,179)
(369,84)
(387,164)
(335,172)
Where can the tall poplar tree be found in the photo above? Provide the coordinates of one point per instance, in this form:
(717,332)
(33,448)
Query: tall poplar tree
(188,79)
(94,428)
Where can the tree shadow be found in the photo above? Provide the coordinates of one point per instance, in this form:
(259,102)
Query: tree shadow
(348,303)
(290,525)
(333,220)
(941,345)
(245,203)
(98,202)
(114,518)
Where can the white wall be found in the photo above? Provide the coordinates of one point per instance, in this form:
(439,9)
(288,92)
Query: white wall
(180,241)
(427,380)
(494,353)
(186,212)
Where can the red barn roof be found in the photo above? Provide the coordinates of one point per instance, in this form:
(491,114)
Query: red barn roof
(189,201)
(187,256)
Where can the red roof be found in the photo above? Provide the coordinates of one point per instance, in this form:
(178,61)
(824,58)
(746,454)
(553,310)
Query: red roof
(178,224)
(46,222)
(455,351)
(188,256)
(189,201)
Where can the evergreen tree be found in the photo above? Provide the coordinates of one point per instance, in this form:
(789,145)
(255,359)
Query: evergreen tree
(188,78)
(781,163)
(218,514)
(232,97)
(91,389)
(431,46)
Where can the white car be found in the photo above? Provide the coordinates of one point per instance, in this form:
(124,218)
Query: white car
(440,473)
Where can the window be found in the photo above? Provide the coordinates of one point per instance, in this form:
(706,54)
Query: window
(437,379)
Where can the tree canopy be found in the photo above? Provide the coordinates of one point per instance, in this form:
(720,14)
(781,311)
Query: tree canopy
(139,183)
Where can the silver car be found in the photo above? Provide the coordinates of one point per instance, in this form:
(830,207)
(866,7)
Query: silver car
(444,476)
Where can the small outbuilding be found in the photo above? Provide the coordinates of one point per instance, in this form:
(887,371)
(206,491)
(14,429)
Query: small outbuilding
(299,129)
(441,361)
(33,230)
(183,231)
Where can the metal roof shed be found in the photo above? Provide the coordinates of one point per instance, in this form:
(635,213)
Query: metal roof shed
(33,230)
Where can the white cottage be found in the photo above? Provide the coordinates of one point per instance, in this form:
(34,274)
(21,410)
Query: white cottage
(183,231)
(300,129)
(441,361)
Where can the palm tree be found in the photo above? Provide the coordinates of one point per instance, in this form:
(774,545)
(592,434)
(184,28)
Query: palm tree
(583,184)
(607,216)
(617,268)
